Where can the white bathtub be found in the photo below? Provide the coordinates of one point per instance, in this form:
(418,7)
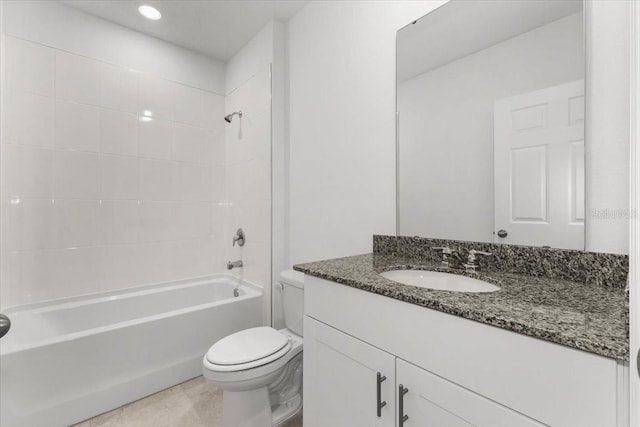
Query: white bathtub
(68,360)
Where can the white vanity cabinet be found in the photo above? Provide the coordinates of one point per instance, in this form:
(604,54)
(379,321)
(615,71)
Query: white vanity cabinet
(342,373)
(341,381)
(458,372)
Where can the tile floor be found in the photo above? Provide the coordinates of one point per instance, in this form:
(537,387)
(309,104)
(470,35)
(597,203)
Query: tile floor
(195,403)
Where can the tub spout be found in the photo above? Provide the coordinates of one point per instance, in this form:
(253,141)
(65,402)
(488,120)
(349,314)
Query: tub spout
(234,264)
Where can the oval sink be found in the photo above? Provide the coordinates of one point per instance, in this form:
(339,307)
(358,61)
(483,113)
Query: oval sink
(439,280)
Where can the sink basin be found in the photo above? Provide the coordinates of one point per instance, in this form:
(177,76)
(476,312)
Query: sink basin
(439,280)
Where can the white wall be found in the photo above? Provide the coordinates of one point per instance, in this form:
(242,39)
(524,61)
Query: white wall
(247,193)
(607,136)
(446,127)
(279,168)
(251,58)
(54,24)
(256,76)
(342,125)
(342,86)
(96,194)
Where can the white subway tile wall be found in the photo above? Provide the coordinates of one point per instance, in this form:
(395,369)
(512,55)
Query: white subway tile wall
(247,189)
(110,178)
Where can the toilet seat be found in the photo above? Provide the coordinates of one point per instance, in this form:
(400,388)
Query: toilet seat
(249,365)
(247,349)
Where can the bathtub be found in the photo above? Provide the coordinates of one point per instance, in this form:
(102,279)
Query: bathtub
(68,360)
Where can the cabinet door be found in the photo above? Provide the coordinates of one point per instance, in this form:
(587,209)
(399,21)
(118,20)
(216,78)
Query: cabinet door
(434,401)
(341,380)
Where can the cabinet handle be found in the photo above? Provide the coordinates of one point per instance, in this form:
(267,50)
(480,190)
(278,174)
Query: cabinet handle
(379,403)
(401,416)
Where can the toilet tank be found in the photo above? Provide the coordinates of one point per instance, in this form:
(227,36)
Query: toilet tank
(293,299)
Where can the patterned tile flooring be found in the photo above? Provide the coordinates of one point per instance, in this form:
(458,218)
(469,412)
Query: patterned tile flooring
(195,403)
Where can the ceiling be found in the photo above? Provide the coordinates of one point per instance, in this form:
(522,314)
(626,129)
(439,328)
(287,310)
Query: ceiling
(215,28)
(462,27)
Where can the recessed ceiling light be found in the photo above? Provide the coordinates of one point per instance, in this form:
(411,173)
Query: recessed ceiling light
(149,12)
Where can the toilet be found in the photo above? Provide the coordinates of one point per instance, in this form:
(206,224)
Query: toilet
(260,369)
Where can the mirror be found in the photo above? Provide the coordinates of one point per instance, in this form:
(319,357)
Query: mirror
(490,100)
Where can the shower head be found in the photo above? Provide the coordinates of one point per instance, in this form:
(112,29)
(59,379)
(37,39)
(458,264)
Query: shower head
(229,117)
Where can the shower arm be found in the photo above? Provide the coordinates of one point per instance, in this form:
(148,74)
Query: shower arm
(229,117)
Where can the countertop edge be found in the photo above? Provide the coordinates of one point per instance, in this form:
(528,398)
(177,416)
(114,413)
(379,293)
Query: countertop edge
(508,325)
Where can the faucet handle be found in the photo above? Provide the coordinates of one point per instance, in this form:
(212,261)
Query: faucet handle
(477,252)
(445,249)
(239,237)
(474,252)
(5,325)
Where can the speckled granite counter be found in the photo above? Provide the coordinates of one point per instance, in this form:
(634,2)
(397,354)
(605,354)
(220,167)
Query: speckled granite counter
(588,317)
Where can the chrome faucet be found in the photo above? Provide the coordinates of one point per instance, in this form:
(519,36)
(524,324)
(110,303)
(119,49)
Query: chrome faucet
(234,264)
(446,253)
(452,259)
(471,266)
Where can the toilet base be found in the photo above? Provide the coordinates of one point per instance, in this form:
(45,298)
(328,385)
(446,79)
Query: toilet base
(287,410)
(251,408)
(286,392)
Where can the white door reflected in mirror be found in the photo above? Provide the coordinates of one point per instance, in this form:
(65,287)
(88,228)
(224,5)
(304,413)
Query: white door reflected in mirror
(539,167)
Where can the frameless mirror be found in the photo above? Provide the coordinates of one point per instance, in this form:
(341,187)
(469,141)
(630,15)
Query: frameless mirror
(490,99)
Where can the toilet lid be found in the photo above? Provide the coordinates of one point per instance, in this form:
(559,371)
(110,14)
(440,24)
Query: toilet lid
(247,346)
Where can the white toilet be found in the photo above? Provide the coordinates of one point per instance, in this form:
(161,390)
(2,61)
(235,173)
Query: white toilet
(260,369)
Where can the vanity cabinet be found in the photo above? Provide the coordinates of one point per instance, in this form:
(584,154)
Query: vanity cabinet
(350,382)
(458,372)
(343,374)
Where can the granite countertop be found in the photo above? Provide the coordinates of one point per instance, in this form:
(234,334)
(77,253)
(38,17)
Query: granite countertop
(584,316)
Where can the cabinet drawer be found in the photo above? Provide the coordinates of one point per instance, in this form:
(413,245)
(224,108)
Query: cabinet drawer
(434,401)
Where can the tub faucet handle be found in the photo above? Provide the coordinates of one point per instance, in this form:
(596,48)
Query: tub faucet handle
(5,325)
(239,237)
